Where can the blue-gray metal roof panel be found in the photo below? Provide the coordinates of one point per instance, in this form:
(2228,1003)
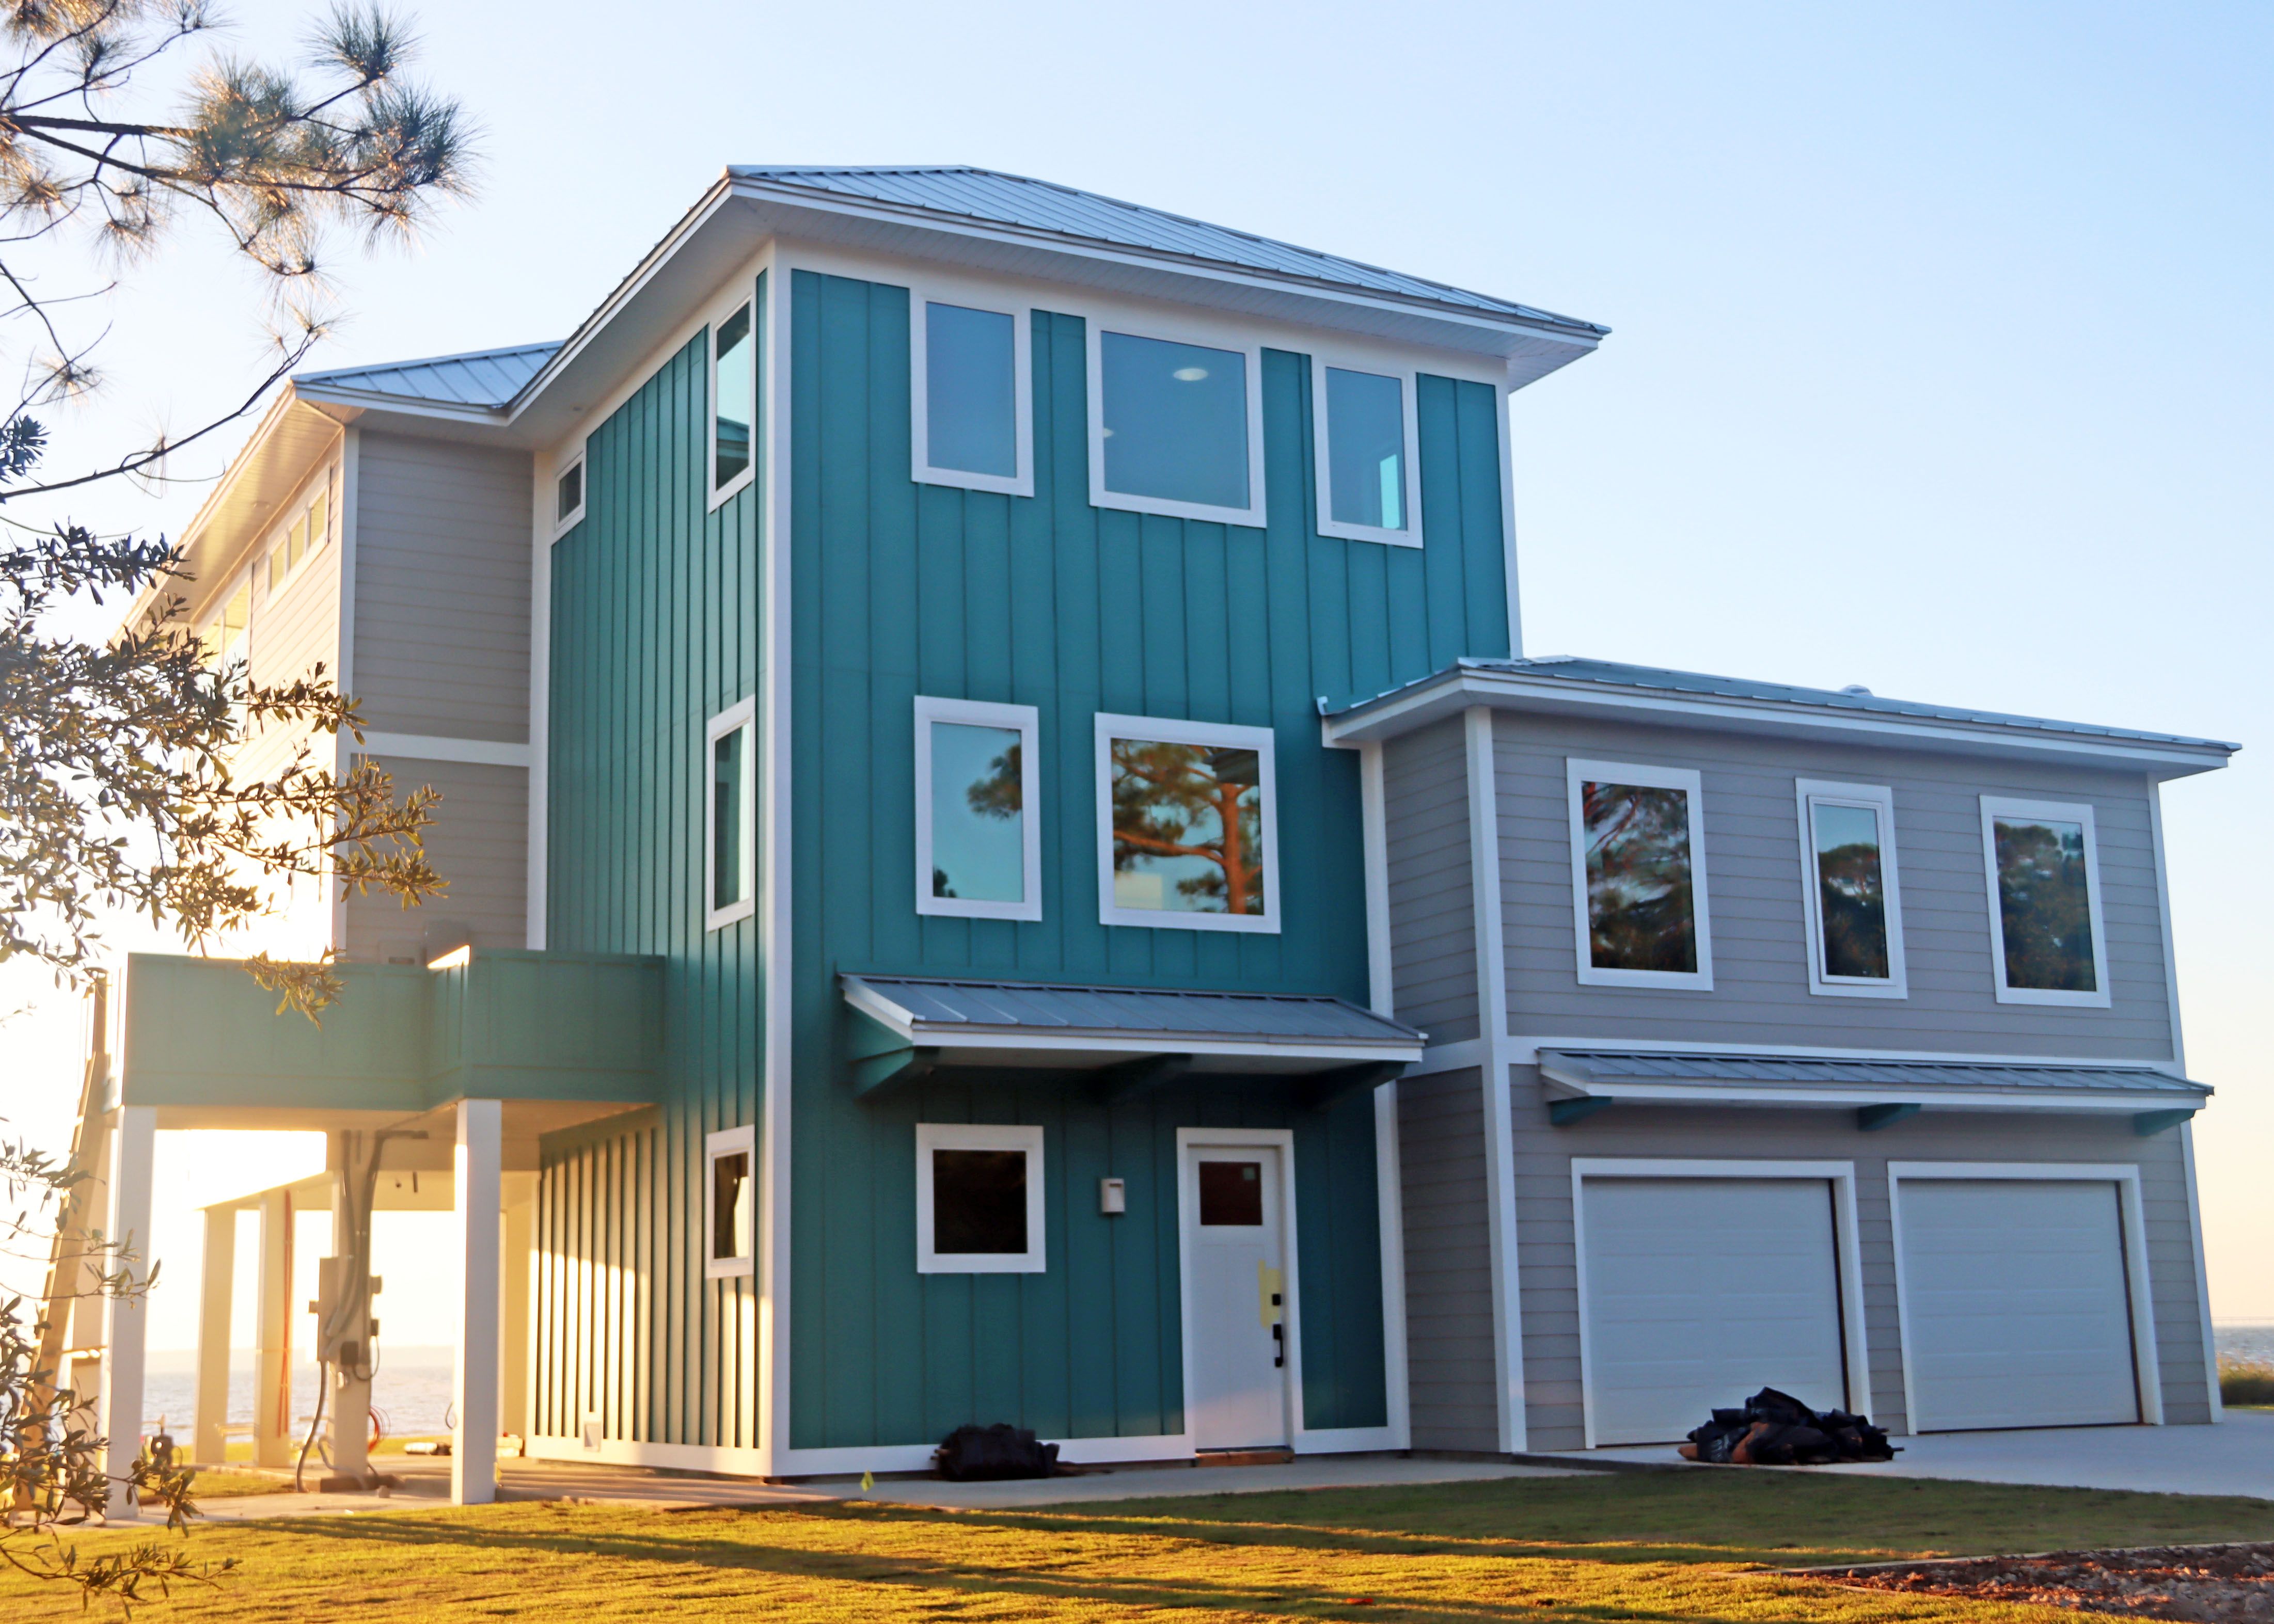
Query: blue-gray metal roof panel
(1000,198)
(484,377)
(1045,1007)
(1880,1078)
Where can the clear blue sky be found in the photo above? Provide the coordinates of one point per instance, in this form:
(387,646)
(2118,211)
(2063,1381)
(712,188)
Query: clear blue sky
(1941,338)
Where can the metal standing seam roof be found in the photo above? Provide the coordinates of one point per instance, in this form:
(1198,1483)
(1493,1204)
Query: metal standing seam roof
(1881,1078)
(1029,1007)
(484,377)
(1612,674)
(1001,199)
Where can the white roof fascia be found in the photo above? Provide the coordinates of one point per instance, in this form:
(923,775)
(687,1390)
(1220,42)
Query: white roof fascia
(1941,1098)
(1457,691)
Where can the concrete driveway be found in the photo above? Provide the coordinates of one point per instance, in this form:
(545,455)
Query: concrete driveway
(2234,1457)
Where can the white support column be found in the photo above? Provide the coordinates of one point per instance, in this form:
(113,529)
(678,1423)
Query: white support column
(272,1386)
(1498,1111)
(208,1445)
(473,1447)
(134,1157)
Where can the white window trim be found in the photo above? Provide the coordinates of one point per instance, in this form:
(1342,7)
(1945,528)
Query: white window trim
(1576,772)
(1846,1232)
(921,298)
(739,716)
(1222,735)
(932,1136)
(2126,1176)
(1410,387)
(563,526)
(1028,721)
(1994,807)
(727,1142)
(744,294)
(321,486)
(1880,800)
(1095,329)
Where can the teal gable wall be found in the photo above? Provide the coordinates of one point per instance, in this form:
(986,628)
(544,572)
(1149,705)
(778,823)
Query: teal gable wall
(899,590)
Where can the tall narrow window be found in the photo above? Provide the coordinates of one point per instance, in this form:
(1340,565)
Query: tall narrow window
(223,635)
(1850,892)
(1639,876)
(972,397)
(1365,462)
(2046,937)
(1188,825)
(1176,429)
(734,397)
(568,495)
(730,843)
(979,1199)
(979,850)
(730,1208)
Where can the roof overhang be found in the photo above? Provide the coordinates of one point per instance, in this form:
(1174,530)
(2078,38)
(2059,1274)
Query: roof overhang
(1466,685)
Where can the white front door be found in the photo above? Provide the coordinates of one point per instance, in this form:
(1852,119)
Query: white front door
(1235,1297)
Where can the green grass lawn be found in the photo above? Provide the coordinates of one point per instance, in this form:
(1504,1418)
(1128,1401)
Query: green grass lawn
(1632,1549)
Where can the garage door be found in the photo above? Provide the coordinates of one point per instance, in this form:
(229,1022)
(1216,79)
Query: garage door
(1699,1292)
(2017,1310)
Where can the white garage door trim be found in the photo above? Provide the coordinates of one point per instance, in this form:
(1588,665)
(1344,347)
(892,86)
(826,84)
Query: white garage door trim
(1843,1177)
(2125,1176)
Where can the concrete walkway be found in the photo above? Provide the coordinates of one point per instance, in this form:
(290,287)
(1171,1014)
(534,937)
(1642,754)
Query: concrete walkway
(2234,1457)
(1318,1471)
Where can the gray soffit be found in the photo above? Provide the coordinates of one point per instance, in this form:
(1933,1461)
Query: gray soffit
(1566,684)
(1807,1079)
(1032,1023)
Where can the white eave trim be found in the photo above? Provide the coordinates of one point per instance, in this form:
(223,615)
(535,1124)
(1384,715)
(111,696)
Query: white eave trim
(1942,1098)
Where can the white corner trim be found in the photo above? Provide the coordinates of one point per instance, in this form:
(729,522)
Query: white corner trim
(1389,1166)
(430,746)
(1168,332)
(1996,806)
(538,883)
(1847,1233)
(2126,1176)
(349,497)
(1491,949)
(1579,773)
(935,1136)
(1373,833)
(1323,357)
(727,1142)
(924,293)
(774,877)
(1879,800)
(1502,393)
(741,717)
(1025,721)
(1163,730)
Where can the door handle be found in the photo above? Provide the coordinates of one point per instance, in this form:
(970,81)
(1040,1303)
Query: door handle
(1278,1347)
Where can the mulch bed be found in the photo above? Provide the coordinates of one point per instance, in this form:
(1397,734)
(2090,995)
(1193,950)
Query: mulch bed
(2215,1584)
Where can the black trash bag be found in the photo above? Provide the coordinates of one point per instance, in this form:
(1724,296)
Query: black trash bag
(1776,1429)
(986,1453)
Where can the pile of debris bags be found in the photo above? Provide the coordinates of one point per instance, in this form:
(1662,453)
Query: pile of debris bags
(986,1453)
(1776,1429)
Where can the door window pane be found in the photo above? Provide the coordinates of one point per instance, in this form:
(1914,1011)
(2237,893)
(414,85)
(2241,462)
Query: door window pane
(1187,827)
(1640,912)
(1851,891)
(1176,420)
(978,821)
(731,1227)
(2044,905)
(979,1201)
(971,390)
(734,395)
(726,816)
(1366,448)
(1231,1192)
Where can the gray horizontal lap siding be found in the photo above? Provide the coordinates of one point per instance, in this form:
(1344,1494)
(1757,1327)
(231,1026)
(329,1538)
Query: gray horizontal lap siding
(479,844)
(1431,903)
(1451,1370)
(1759,939)
(1550,1264)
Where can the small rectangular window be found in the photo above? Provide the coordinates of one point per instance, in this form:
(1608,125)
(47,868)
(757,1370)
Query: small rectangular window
(733,398)
(979,1199)
(569,496)
(319,521)
(730,1203)
(1188,825)
(972,396)
(730,840)
(2046,938)
(1639,876)
(1366,431)
(1231,1194)
(223,635)
(1849,892)
(1176,428)
(979,851)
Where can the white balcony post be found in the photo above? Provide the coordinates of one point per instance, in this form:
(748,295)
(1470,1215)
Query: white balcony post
(513,1341)
(133,1155)
(272,1386)
(473,1448)
(209,1443)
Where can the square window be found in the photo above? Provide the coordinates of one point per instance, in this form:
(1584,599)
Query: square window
(734,399)
(2046,936)
(972,395)
(979,1199)
(1231,1194)
(1176,428)
(1639,876)
(1367,482)
(979,852)
(1849,892)
(730,1211)
(569,496)
(730,840)
(1187,825)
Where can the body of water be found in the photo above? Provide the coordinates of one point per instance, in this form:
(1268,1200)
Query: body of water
(2249,1339)
(412,1396)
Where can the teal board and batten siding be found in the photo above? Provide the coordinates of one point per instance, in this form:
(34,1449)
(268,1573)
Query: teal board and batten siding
(655,611)
(900,590)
